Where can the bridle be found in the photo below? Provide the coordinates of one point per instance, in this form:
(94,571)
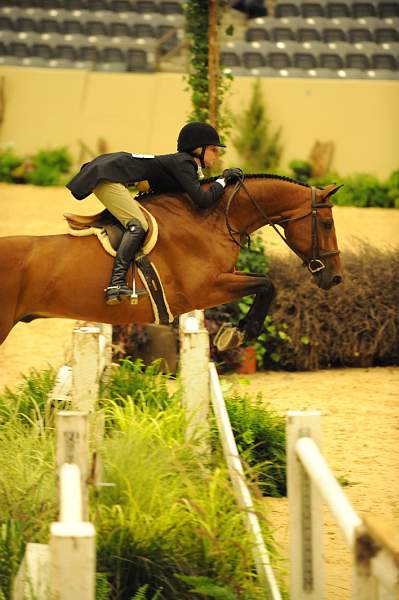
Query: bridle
(315,263)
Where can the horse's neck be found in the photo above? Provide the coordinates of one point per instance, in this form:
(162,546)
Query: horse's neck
(278,199)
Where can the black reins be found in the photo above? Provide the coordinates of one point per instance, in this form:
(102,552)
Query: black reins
(315,263)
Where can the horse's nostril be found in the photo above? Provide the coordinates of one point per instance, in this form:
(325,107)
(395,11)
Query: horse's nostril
(336,279)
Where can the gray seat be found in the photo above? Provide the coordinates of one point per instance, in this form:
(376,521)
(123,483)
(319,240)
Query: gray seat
(147,6)
(312,9)
(308,33)
(6,23)
(357,60)
(170,7)
(257,33)
(362,8)
(123,6)
(66,52)
(360,34)
(73,26)
(388,9)
(120,29)
(282,33)
(253,59)
(337,9)
(334,33)
(287,9)
(19,49)
(304,60)
(329,59)
(384,60)
(89,54)
(42,51)
(96,27)
(137,60)
(386,34)
(26,24)
(51,25)
(278,59)
(230,59)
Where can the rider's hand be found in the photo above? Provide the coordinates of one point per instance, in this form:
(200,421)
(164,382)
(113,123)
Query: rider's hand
(232,174)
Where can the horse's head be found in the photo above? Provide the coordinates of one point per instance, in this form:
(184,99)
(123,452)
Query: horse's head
(312,237)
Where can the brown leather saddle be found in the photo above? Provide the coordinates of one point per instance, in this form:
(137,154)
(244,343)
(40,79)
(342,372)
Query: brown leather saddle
(106,221)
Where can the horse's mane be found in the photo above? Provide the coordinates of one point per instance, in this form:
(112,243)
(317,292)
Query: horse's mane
(262,176)
(148,195)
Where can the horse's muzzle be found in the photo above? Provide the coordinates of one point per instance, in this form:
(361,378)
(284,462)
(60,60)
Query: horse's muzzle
(326,280)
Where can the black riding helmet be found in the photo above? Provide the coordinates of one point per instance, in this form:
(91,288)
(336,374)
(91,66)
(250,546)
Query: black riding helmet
(198,135)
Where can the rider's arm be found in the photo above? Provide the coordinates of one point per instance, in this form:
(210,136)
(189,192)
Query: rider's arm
(186,175)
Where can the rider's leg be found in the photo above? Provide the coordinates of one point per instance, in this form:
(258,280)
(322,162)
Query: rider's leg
(118,200)
(130,243)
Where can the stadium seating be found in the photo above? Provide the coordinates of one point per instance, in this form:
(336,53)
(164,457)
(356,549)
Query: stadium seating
(302,38)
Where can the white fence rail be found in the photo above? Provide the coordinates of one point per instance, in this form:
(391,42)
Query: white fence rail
(200,384)
(310,481)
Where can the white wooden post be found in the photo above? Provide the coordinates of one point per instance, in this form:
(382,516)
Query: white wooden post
(86,368)
(243,495)
(105,348)
(194,372)
(73,447)
(32,580)
(305,518)
(72,544)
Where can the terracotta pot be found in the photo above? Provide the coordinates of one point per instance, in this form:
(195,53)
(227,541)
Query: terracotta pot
(248,361)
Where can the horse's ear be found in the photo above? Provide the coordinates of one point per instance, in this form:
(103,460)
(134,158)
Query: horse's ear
(329,190)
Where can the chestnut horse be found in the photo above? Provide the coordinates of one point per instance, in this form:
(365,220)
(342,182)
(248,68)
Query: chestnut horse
(65,276)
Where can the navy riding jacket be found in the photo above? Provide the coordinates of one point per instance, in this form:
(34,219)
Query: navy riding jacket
(165,173)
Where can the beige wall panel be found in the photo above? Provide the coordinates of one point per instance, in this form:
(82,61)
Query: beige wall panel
(360,117)
(144,112)
(41,109)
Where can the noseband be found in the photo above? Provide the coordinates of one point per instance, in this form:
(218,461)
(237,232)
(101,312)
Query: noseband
(315,263)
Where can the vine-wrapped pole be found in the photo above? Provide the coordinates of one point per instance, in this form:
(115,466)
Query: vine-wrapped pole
(213,61)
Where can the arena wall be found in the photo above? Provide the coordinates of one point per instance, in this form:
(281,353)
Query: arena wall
(42,108)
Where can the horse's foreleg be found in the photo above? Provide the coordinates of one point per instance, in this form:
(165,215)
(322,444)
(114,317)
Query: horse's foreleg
(233,286)
(253,321)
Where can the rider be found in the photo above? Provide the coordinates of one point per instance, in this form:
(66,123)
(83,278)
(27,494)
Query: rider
(108,176)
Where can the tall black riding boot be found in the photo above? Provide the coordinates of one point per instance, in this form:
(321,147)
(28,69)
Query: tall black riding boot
(130,243)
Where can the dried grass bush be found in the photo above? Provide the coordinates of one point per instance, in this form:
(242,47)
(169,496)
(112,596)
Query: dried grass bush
(355,324)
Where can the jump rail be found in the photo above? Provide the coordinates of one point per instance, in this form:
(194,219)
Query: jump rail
(310,480)
(200,384)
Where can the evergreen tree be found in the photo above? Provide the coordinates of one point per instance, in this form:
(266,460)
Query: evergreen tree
(258,147)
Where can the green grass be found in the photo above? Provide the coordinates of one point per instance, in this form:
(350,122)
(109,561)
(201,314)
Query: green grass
(169,527)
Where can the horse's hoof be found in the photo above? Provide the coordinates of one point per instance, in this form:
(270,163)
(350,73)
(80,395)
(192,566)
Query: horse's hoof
(228,337)
(112,300)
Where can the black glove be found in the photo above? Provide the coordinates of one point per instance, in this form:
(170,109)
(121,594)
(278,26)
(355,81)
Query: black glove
(233,174)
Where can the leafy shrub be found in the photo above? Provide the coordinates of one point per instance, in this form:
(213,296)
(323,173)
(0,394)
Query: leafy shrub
(393,188)
(49,166)
(258,148)
(354,324)
(9,161)
(301,169)
(260,436)
(363,190)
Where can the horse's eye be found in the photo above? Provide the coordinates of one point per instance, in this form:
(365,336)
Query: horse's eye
(327,225)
